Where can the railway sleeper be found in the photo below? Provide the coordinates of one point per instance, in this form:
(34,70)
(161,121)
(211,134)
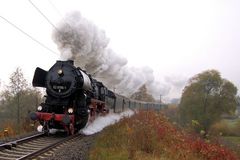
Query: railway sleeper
(7,158)
(9,155)
(24,150)
(6,146)
(15,152)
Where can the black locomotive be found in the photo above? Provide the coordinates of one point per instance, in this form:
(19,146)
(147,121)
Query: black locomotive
(73,97)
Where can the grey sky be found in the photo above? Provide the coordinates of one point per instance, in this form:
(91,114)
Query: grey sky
(176,38)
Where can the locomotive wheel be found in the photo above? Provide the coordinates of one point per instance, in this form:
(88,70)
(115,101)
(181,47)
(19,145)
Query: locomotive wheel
(71,129)
(82,123)
(46,129)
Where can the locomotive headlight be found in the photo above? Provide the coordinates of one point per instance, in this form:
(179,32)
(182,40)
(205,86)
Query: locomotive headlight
(39,108)
(60,72)
(70,110)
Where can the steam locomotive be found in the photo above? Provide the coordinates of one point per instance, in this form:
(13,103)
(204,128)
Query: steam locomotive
(74,98)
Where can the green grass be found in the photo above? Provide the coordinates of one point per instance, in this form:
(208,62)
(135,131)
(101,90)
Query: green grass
(231,122)
(227,127)
(233,139)
(234,144)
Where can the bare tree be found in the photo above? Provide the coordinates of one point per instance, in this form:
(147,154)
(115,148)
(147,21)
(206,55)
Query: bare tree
(17,84)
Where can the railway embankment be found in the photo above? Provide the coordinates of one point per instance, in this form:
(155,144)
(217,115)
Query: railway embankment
(148,135)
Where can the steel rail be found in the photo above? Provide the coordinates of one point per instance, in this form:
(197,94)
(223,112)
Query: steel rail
(47,148)
(9,145)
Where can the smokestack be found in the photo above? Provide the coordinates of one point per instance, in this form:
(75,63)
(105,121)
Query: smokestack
(71,62)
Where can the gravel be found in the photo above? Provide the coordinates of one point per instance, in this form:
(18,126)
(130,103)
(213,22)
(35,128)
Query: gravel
(77,150)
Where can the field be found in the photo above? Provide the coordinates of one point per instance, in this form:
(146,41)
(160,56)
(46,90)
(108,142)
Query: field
(232,134)
(148,135)
(233,139)
(232,123)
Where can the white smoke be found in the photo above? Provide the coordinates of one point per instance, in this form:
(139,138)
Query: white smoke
(81,41)
(101,122)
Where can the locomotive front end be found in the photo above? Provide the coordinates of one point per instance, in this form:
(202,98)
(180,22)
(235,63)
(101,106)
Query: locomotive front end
(66,100)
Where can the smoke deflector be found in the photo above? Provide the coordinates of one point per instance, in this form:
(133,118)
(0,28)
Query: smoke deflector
(39,77)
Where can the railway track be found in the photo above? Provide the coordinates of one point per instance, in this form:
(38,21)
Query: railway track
(33,146)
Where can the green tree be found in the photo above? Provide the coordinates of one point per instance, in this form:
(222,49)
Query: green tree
(206,97)
(142,95)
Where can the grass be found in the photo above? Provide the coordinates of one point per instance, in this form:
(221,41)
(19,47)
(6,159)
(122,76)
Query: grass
(229,131)
(227,127)
(233,139)
(149,136)
(232,123)
(232,142)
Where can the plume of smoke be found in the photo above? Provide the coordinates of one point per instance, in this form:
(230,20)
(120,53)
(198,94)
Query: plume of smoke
(176,84)
(80,40)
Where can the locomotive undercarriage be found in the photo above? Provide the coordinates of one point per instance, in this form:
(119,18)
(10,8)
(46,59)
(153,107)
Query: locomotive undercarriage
(71,117)
(74,122)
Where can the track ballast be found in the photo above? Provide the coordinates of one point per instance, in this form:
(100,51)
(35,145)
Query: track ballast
(32,146)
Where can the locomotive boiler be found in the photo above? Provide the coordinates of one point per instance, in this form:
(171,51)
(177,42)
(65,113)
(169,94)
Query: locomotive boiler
(73,97)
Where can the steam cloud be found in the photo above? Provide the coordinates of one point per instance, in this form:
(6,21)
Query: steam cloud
(103,121)
(81,41)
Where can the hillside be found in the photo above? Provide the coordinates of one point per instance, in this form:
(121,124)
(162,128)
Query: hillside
(149,136)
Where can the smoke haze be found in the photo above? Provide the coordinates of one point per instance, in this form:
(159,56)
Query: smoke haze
(80,40)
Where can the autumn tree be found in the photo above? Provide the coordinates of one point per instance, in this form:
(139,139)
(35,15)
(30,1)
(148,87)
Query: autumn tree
(18,99)
(17,82)
(143,95)
(206,97)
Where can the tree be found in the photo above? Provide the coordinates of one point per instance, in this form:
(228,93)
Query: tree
(206,98)
(18,99)
(17,82)
(142,95)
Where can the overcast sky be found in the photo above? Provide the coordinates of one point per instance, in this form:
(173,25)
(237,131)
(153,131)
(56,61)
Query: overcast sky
(176,38)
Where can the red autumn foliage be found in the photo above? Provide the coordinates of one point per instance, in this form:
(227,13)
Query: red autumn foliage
(150,132)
